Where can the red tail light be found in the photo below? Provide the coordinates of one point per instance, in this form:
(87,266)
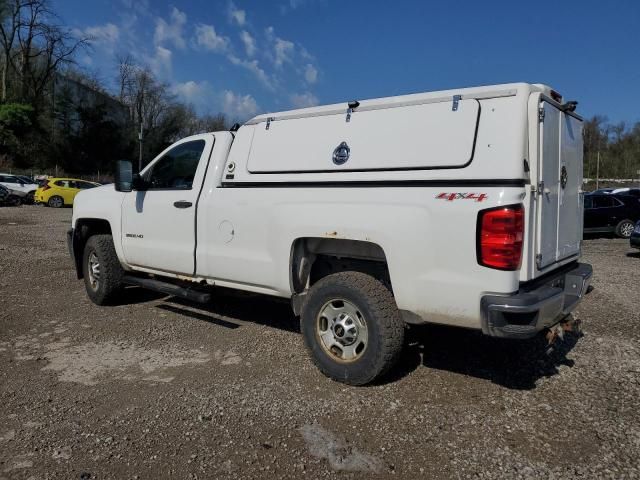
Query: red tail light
(500,232)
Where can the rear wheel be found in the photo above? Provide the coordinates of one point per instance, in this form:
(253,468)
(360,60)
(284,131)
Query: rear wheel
(56,202)
(352,327)
(102,270)
(625,228)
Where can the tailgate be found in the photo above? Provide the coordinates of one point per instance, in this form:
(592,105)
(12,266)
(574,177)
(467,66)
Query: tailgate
(560,201)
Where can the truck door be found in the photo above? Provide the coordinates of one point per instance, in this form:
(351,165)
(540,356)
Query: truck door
(159,222)
(560,199)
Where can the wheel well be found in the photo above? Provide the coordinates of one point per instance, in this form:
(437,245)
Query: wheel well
(315,258)
(85,228)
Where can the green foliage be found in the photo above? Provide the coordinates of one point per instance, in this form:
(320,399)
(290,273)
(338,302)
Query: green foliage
(16,122)
(617,145)
(15,119)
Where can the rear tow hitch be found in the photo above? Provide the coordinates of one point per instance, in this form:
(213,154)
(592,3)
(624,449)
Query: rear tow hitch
(569,324)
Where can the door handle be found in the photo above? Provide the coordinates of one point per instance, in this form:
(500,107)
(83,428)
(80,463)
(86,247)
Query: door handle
(182,204)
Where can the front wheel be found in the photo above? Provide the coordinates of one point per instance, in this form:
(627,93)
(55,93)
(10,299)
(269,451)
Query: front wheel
(102,270)
(352,327)
(625,228)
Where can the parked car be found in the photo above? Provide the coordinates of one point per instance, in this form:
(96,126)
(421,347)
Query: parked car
(601,191)
(7,197)
(26,179)
(634,240)
(58,192)
(20,188)
(609,213)
(354,223)
(634,192)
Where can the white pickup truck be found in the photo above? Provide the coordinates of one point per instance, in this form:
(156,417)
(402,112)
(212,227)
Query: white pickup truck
(460,207)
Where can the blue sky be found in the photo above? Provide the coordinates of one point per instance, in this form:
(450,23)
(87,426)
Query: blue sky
(248,57)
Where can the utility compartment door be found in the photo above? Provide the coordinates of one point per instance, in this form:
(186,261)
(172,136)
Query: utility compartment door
(560,202)
(431,135)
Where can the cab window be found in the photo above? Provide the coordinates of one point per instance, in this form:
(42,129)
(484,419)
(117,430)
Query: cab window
(62,183)
(176,169)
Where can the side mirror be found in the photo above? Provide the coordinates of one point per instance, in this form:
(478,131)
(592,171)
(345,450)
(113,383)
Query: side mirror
(124,176)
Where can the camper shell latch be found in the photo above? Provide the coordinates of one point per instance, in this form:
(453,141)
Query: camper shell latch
(456,101)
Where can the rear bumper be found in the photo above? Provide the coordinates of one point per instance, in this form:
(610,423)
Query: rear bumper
(535,306)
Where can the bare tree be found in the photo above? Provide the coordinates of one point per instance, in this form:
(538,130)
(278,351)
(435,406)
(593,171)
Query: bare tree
(10,23)
(126,78)
(34,47)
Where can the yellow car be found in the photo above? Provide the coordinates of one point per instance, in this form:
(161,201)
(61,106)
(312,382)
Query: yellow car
(58,192)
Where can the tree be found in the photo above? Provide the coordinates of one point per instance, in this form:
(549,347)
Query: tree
(34,48)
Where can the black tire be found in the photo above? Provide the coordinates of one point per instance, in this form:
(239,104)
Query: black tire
(30,198)
(14,200)
(384,326)
(56,202)
(108,286)
(624,228)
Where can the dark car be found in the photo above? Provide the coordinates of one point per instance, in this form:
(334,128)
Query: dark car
(4,193)
(635,236)
(7,197)
(601,190)
(634,192)
(609,213)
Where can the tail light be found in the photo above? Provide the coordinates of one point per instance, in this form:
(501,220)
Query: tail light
(500,233)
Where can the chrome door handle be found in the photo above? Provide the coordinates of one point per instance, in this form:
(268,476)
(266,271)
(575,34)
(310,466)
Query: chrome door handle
(182,204)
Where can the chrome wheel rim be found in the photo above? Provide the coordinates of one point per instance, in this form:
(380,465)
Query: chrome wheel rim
(94,270)
(342,330)
(56,202)
(627,229)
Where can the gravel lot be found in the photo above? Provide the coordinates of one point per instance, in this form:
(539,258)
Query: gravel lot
(160,388)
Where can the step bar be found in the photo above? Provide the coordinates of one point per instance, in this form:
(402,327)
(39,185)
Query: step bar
(168,288)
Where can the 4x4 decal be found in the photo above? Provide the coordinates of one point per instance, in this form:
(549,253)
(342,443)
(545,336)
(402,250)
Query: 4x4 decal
(478,197)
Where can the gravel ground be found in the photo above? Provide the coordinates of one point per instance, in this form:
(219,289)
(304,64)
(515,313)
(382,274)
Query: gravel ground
(160,388)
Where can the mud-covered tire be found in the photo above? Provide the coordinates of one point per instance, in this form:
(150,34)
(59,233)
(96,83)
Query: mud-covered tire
(107,288)
(384,326)
(625,228)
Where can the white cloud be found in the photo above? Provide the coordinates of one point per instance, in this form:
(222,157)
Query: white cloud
(205,100)
(199,94)
(254,68)
(292,5)
(103,37)
(207,37)
(171,31)
(236,15)
(302,100)
(107,34)
(283,51)
(161,64)
(191,91)
(310,74)
(238,106)
(249,43)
